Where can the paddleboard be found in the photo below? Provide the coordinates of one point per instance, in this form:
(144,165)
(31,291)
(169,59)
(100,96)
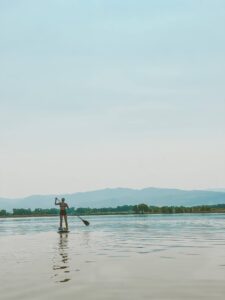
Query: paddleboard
(63,230)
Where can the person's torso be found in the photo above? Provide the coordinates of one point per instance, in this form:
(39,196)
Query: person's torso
(63,206)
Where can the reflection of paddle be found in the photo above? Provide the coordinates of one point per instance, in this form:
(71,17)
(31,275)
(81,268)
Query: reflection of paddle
(84,221)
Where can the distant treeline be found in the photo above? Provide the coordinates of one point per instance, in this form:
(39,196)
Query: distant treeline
(124,209)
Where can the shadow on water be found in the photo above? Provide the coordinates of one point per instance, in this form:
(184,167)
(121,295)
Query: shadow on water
(61,266)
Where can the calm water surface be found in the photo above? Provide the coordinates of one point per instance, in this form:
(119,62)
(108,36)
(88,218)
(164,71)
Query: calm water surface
(121,235)
(34,244)
(130,230)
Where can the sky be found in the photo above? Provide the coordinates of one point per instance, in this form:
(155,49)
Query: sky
(107,93)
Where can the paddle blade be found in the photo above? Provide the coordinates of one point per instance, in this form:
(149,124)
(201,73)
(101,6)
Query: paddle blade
(86,222)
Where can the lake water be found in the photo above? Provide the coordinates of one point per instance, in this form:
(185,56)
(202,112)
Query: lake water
(178,256)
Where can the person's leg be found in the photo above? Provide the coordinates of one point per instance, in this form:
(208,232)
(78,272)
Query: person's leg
(61,219)
(65,218)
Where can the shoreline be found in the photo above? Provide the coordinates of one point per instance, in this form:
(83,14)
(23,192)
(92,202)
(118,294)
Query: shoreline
(113,214)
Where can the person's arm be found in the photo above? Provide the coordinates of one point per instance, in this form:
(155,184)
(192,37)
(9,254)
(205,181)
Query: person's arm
(67,206)
(57,203)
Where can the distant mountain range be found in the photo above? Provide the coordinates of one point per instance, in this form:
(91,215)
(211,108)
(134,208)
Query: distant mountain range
(120,196)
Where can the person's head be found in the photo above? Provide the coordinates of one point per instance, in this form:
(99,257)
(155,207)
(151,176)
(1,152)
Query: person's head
(63,199)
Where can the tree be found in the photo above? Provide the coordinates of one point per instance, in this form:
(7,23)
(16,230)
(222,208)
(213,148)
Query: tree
(141,208)
(3,212)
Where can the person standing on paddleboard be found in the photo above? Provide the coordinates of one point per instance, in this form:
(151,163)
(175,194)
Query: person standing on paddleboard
(63,213)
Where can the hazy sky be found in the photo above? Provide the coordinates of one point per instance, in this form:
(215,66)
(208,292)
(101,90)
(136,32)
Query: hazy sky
(108,93)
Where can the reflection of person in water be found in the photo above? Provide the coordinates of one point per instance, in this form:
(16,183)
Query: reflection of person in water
(63,213)
(61,266)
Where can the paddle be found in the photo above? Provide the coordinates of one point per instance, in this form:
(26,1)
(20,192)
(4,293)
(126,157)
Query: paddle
(84,221)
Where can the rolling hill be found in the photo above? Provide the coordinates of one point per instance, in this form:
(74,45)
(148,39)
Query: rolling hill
(120,196)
